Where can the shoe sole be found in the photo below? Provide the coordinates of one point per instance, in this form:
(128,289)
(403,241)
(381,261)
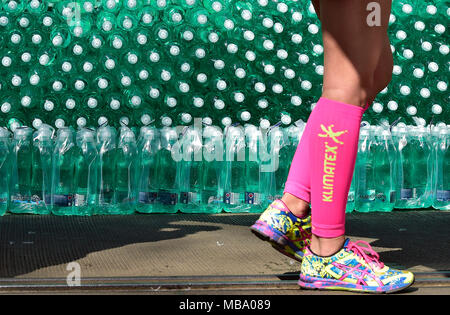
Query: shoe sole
(313,283)
(278,241)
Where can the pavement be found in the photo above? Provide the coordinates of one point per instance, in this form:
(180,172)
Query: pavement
(198,253)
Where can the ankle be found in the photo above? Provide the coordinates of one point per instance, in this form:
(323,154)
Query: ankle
(326,246)
(296,206)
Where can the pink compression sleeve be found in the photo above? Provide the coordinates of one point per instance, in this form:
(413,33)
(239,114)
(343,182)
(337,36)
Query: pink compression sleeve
(323,165)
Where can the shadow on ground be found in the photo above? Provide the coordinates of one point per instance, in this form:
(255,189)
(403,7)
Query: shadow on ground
(28,243)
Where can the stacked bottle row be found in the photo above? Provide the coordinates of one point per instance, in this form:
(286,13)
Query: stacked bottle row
(206,169)
(407,168)
(91,62)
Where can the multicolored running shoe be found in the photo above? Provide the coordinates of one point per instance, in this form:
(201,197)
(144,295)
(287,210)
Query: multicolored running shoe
(287,233)
(353,268)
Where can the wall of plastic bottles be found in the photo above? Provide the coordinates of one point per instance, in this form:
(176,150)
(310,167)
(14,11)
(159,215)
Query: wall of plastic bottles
(93,80)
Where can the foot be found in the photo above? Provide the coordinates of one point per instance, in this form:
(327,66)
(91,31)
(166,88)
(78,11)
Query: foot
(287,233)
(353,268)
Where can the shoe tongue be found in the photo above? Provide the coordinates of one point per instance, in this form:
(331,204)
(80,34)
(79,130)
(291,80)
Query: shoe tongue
(346,242)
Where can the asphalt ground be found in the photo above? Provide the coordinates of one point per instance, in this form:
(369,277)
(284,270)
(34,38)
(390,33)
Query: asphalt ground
(199,253)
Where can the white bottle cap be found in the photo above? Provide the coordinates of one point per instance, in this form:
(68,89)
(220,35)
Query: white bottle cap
(184,87)
(57,86)
(165,75)
(436,109)
(154,93)
(411,110)
(80,85)
(92,102)
(425,93)
(250,55)
(202,77)
(260,87)
(5,108)
(49,105)
(60,123)
(221,85)
(286,119)
(392,105)
(226,121)
(16,80)
(25,101)
(219,104)
(166,121)
(418,73)
(96,43)
(377,108)
(114,104)
(154,57)
(245,116)
(88,67)
(213,37)
(277,88)
(136,100)
(239,97)
(26,57)
(171,101)
(6,61)
(198,102)
(186,118)
(296,100)
(264,123)
(103,83)
(70,103)
(36,39)
(174,50)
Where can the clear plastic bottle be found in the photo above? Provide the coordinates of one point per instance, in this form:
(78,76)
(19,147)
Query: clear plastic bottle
(148,146)
(5,168)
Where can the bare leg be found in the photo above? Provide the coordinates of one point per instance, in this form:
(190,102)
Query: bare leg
(352,52)
(381,78)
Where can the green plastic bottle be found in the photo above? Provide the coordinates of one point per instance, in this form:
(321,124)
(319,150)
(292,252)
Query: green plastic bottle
(22,157)
(148,146)
(126,173)
(191,170)
(65,157)
(86,173)
(107,153)
(5,169)
(441,199)
(212,190)
(167,171)
(41,173)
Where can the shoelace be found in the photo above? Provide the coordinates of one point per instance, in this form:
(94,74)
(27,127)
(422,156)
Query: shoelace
(365,252)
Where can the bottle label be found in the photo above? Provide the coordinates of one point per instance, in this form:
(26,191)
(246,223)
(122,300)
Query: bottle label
(213,200)
(80,200)
(393,197)
(351,196)
(407,193)
(188,197)
(147,197)
(368,196)
(443,195)
(252,198)
(20,199)
(230,198)
(37,199)
(167,198)
(3,200)
(63,200)
(381,197)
